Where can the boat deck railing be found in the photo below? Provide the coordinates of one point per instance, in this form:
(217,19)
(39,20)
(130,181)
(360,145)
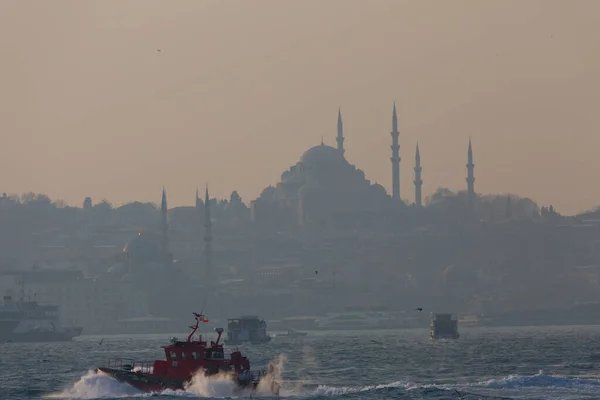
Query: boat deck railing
(130,365)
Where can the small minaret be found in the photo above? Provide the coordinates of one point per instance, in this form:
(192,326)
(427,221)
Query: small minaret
(207,235)
(418,180)
(198,209)
(395,157)
(199,204)
(470,178)
(340,134)
(164,227)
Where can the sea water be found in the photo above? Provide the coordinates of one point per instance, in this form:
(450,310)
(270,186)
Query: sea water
(519,363)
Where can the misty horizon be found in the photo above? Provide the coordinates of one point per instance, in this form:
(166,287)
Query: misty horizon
(92,108)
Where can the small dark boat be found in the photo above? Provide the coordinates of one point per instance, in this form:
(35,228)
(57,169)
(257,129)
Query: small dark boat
(443,326)
(186,359)
(247,329)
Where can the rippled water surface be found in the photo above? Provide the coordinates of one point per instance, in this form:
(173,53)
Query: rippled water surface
(534,363)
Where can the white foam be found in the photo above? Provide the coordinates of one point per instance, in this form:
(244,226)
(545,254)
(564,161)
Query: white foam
(324,390)
(222,385)
(96,386)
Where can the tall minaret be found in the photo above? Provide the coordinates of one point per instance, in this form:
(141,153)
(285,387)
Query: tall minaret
(163,219)
(207,235)
(395,157)
(418,180)
(340,133)
(470,178)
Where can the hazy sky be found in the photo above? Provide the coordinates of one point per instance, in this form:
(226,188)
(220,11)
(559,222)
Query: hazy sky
(240,89)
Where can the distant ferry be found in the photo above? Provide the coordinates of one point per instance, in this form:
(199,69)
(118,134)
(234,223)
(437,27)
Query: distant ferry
(247,328)
(28,321)
(443,326)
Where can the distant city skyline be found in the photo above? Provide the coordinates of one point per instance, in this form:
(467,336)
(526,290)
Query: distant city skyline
(237,93)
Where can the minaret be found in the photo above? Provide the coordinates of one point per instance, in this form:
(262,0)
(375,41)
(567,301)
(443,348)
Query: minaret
(199,204)
(418,180)
(340,134)
(163,219)
(395,157)
(207,235)
(470,178)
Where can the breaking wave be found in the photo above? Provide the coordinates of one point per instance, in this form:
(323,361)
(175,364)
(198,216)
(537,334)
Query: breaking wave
(540,380)
(99,386)
(94,386)
(492,388)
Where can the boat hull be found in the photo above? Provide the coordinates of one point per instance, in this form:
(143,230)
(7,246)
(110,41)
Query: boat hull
(142,381)
(150,383)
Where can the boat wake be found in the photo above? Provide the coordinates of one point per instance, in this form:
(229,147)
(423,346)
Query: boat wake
(96,386)
(99,386)
(222,385)
(93,386)
(510,387)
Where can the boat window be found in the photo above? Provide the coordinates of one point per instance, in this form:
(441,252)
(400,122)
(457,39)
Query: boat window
(183,356)
(195,355)
(173,355)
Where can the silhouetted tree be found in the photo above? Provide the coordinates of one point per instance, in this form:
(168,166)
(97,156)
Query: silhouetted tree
(59,203)
(35,198)
(104,205)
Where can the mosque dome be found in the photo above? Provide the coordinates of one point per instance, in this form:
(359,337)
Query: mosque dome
(268,193)
(378,190)
(285,175)
(293,176)
(322,157)
(144,248)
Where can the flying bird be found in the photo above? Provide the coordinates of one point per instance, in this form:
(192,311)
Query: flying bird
(316,272)
(158,50)
(418,309)
(100,342)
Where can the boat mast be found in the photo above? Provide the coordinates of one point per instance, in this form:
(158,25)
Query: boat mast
(194,328)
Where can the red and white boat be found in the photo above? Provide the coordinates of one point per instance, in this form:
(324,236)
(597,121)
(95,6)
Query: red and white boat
(186,359)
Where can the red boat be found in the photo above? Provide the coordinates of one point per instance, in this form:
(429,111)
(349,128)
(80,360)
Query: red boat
(186,359)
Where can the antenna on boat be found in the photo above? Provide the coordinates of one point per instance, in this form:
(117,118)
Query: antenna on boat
(199,318)
(203,316)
